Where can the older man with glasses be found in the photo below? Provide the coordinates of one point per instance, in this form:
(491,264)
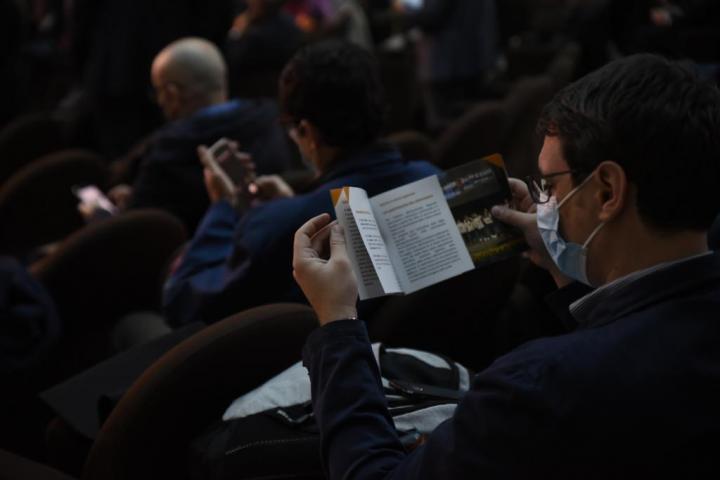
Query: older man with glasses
(189,79)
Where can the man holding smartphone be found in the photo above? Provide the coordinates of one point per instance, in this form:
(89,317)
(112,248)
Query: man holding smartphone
(190,86)
(332,107)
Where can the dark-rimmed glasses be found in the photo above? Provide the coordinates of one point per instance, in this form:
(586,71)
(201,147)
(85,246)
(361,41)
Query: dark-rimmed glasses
(153,93)
(540,188)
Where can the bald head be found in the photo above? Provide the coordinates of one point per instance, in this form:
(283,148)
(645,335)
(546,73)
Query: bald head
(187,75)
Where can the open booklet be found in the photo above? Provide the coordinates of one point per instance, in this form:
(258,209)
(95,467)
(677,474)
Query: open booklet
(427,231)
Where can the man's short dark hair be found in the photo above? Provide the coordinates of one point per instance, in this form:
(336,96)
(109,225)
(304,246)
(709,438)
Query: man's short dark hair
(336,86)
(657,120)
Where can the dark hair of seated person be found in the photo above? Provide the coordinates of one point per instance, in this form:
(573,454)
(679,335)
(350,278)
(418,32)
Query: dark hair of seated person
(336,86)
(660,123)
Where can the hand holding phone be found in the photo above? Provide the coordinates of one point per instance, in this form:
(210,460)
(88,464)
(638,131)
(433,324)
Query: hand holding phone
(230,174)
(93,203)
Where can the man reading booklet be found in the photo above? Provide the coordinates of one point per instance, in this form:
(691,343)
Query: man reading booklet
(427,231)
(626,193)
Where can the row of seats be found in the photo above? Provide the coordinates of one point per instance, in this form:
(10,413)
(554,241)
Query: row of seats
(131,253)
(506,125)
(41,188)
(183,392)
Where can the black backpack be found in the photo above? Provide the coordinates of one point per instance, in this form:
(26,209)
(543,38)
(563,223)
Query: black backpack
(283,442)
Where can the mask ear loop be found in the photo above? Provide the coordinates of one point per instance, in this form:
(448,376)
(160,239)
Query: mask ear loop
(574,191)
(599,227)
(593,235)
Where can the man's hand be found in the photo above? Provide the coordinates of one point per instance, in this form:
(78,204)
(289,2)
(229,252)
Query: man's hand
(243,194)
(216,189)
(661,17)
(121,195)
(322,269)
(272,187)
(240,24)
(525,219)
(398,6)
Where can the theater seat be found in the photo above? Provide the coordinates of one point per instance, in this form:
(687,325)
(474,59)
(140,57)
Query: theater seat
(27,139)
(714,235)
(13,467)
(564,67)
(37,205)
(523,106)
(476,134)
(104,272)
(412,145)
(398,73)
(149,431)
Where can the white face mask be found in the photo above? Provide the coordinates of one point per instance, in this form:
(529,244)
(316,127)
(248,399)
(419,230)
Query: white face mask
(570,258)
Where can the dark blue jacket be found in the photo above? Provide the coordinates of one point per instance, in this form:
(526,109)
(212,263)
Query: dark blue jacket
(235,263)
(634,392)
(29,325)
(170,175)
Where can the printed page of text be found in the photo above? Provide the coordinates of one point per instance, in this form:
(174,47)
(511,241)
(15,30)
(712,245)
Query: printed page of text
(366,248)
(421,235)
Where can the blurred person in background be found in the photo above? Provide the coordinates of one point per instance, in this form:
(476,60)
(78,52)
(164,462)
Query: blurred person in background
(261,41)
(343,19)
(458,50)
(30,330)
(676,28)
(189,78)
(350,22)
(333,105)
(309,15)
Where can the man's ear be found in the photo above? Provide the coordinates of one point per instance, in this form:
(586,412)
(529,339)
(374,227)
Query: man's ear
(613,194)
(309,133)
(173,98)
(302,128)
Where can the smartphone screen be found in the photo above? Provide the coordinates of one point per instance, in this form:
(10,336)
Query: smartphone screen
(413,4)
(92,197)
(231,164)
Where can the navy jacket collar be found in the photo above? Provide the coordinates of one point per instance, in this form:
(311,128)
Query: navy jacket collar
(360,161)
(693,275)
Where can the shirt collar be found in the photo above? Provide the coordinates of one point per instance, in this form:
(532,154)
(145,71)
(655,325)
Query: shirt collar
(583,309)
(217,109)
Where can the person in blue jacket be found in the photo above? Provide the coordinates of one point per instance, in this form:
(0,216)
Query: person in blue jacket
(619,215)
(190,86)
(332,104)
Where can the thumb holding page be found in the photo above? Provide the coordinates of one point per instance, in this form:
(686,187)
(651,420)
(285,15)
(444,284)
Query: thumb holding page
(342,286)
(338,247)
(329,285)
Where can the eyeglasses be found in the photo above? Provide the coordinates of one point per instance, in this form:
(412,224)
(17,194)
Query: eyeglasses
(154,93)
(540,188)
